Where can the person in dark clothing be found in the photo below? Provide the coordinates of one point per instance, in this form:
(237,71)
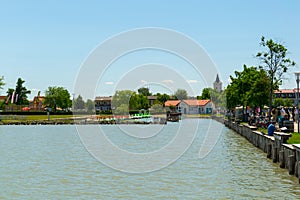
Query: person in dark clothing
(293,114)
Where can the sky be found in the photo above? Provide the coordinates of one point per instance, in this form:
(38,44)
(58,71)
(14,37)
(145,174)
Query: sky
(47,43)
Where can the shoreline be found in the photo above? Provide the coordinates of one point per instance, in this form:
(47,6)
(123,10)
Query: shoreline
(275,147)
(89,120)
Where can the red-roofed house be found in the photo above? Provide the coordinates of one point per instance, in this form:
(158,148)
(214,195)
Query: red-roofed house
(173,103)
(196,106)
(2,98)
(37,104)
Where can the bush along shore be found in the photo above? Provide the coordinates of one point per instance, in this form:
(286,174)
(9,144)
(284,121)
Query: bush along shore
(276,147)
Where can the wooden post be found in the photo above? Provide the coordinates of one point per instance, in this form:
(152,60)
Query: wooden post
(274,154)
(296,168)
(291,164)
(269,150)
(281,159)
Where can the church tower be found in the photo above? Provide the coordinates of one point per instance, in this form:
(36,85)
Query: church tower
(218,84)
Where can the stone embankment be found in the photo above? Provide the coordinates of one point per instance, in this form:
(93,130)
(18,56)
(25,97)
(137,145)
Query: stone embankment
(276,148)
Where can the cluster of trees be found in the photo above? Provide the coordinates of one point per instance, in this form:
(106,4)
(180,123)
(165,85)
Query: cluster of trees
(125,100)
(80,104)
(55,97)
(19,94)
(59,97)
(254,86)
(248,88)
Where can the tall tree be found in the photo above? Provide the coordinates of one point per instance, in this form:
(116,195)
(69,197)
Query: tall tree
(140,101)
(249,87)
(260,88)
(90,105)
(144,91)
(9,94)
(181,94)
(1,82)
(79,103)
(58,97)
(274,61)
(122,97)
(206,93)
(21,93)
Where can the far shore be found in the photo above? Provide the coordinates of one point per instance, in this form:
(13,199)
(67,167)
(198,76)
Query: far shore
(81,119)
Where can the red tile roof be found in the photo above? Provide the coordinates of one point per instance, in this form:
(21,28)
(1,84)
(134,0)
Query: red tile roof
(2,98)
(286,91)
(196,102)
(103,98)
(172,103)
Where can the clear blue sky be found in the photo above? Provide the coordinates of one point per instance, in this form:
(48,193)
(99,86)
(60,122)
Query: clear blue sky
(45,42)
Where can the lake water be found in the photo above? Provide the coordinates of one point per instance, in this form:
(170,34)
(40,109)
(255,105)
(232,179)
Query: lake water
(50,162)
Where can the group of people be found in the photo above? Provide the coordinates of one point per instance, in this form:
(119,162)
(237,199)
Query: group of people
(281,114)
(284,113)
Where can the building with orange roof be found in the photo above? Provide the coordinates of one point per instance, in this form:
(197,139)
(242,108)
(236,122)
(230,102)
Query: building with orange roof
(3,98)
(173,103)
(37,104)
(192,106)
(287,94)
(196,106)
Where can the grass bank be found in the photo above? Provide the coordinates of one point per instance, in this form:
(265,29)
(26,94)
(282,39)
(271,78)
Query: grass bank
(295,139)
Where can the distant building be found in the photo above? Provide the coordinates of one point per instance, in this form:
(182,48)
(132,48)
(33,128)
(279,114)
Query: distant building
(287,94)
(2,98)
(103,103)
(37,104)
(218,84)
(173,105)
(191,106)
(196,106)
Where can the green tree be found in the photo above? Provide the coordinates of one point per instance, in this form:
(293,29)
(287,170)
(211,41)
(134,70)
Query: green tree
(123,97)
(258,92)
(282,102)
(249,87)
(90,105)
(1,82)
(140,101)
(157,109)
(144,91)
(206,93)
(218,98)
(122,109)
(79,103)
(236,91)
(57,97)
(232,95)
(181,94)
(274,61)
(21,93)
(162,98)
(10,92)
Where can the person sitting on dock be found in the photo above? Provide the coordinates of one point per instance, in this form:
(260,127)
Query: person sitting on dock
(271,129)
